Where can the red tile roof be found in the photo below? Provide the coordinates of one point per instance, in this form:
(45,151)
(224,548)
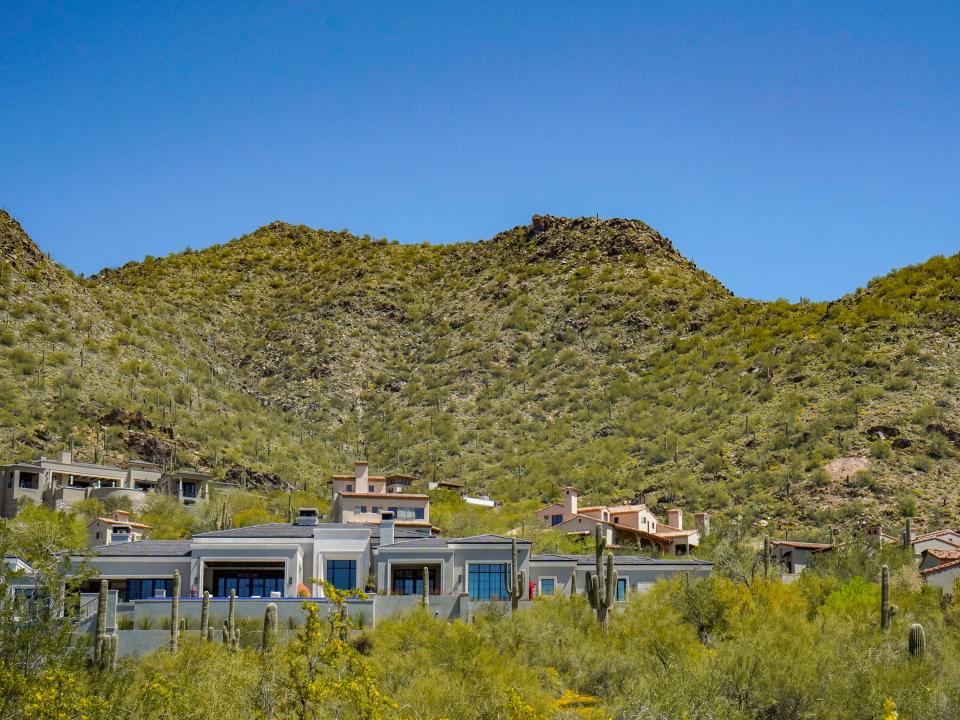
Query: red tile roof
(941,567)
(935,534)
(112,521)
(402,496)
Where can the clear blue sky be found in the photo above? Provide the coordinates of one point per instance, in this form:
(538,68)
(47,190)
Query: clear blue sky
(791,149)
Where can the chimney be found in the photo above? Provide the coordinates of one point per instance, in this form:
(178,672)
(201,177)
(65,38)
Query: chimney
(702,520)
(361,473)
(386,528)
(121,515)
(570,495)
(66,457)
(307,516)
(675,518)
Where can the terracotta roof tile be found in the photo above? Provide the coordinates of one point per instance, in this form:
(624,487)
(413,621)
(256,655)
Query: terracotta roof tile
(402,496)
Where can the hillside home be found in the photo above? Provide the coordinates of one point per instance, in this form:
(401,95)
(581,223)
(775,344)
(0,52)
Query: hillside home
(876,534)
(626,524)
(935,557)
(794,556)
(59,483)
(363,498)
(118,528)
(943,576)
(936,540)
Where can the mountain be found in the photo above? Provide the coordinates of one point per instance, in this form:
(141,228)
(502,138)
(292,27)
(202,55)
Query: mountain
(568,351)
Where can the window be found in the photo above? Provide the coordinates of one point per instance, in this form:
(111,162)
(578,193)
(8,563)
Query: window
(556,520)
(248,585)
(409,581)
(418,513)
(98,534)
(362,509)
(407,513)
(189,489)
(342,574)
(547,586)
(375,510)
(617,519)
(488,581)
(621,589)
(140,589)
(349,488)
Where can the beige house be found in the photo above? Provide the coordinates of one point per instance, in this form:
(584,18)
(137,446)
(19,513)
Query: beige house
(116,528)
(936,540)
(626,524)
(362,498)
(795,556)
(60,482)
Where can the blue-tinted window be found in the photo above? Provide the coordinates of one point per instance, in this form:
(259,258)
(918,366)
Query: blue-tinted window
(189,489)
(547,586)
(488,582)
(342,574)
(418,513)
(142,589)
(621,589)
(556,519)
(248,586)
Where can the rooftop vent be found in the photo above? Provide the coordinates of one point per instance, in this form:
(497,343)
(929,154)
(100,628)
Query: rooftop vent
(307,516)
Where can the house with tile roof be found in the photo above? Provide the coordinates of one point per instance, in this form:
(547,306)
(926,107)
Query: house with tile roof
(363,498)
(625,525)
(946,539)
(943,576)
(116,528)
(934,557)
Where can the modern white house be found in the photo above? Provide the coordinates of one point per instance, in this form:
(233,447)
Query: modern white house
(936,540)
(60,482)
(630,525)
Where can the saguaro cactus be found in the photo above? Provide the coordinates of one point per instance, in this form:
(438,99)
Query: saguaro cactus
(766,556)
(517,580)
(573,584)
(425,592)
(205,615)
(101,642)
(269,627)
(602,587)
(887,611)
(916,641)
(175,613)
(907,534)
(232,613)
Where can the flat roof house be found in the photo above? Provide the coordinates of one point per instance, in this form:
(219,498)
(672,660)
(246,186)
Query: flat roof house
(363,498)
(626,524)
(59,483)
(796,556)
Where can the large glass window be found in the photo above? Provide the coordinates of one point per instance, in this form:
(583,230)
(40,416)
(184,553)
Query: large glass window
(143,589)
(547,586)
(621,589)
(342,574)
(488,581)
(409,581)
(246,586)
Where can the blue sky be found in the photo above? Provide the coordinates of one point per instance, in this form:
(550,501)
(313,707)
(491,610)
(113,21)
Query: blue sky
(791,149)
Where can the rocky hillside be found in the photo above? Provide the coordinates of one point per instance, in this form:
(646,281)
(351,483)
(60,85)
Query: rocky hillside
(566,351)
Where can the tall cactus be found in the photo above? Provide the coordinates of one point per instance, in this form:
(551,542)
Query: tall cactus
(916,641)
(517,580)
(232,613)
(907,534)
(269,627)
(425,592)
(205,615)
(100,647)
(887,611)
(602,587)
(766,556)
(573,583)
(175,613)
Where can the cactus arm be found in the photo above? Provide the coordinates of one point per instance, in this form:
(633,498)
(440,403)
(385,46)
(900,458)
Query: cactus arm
(175,613)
